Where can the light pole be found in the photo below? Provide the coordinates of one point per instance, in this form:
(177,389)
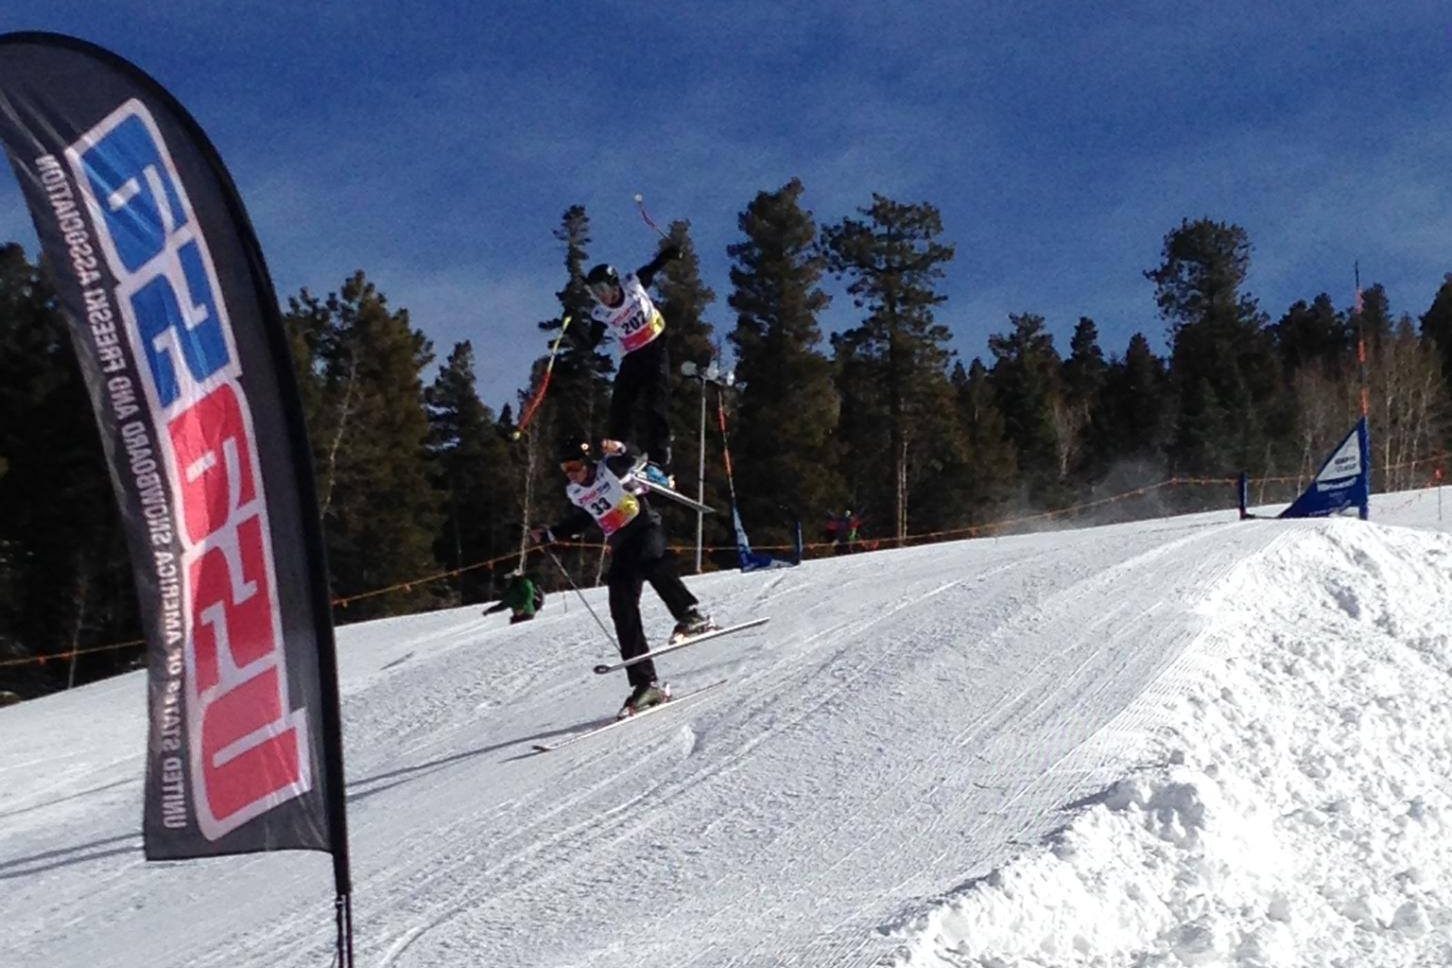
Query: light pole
(710,374)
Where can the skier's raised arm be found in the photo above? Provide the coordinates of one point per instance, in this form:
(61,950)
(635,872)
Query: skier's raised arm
(646,273)
(621,456)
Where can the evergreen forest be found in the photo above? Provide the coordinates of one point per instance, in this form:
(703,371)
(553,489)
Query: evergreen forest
(426,492)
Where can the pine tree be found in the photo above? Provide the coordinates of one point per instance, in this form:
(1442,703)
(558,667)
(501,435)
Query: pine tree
(1026,383)
(1085,369)
(1082,379)
(580,387)
(1372,321)
(990,467)
(1222,359)
(682,299)
(1130,427)
(864,437)
(307,324)
(1436,326)
(473,473)
(1370,325)
(1131,423)
(369,436)
(1312,335)
(783,440)
(899,354)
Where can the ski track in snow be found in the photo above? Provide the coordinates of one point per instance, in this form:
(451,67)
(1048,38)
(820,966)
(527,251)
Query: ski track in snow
(1023,750)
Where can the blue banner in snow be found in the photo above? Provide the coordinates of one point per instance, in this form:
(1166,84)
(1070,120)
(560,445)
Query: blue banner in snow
(1343,482)
(756,560)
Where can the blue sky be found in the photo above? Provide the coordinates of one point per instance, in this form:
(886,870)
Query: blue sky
(436,145)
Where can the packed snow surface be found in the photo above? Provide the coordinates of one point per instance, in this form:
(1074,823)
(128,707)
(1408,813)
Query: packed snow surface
(1188,741)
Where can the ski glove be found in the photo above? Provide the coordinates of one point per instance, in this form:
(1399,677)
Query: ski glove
(540,534)
(597,333)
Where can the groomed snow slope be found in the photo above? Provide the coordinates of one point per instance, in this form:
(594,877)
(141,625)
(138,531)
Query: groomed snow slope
(1190,740)
(1295,805)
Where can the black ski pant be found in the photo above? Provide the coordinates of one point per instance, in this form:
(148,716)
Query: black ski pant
(640,402)
(641,557)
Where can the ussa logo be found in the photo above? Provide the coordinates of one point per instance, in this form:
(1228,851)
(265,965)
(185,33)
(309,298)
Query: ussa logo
(248,751)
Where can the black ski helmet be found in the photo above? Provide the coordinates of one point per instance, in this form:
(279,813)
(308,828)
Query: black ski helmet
(604,272)
(574,447)
(601,277)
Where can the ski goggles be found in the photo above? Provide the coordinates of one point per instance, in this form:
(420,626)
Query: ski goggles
(572,466)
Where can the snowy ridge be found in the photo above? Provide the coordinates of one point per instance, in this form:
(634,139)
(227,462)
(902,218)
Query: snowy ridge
(1166,742)
(1297,799)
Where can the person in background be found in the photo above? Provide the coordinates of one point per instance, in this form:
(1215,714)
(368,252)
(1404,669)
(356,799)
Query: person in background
(522,596)
(842,531)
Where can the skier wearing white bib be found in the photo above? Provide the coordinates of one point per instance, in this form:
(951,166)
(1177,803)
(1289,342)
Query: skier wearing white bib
(641,394)
(604,492)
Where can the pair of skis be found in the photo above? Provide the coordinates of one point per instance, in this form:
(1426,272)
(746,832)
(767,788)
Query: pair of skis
(675,702)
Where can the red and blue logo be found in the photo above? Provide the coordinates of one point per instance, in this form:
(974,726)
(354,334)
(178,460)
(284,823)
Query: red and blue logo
(239,746)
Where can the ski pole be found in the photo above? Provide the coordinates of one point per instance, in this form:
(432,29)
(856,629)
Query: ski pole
(544,384)
(640,204)
(560,565)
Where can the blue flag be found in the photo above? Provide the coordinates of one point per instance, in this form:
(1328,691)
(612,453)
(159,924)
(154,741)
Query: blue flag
(757,560)
(1343,482)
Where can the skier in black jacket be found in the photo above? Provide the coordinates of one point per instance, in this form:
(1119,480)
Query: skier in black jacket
(643,382)
(604,492)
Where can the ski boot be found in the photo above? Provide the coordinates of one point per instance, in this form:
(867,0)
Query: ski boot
(642,698)
(658,477)
(693,624)
(650,471)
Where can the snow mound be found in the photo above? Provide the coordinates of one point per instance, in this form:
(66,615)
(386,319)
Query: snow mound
(1295,805)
